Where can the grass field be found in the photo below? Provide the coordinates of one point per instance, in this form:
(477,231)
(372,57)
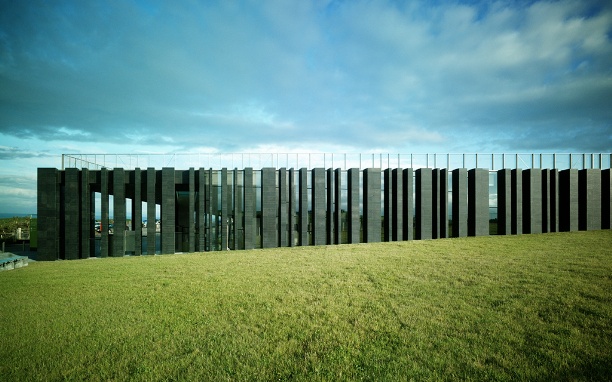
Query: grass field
(530,307)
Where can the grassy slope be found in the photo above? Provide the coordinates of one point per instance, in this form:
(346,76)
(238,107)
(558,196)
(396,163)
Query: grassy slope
(532,307)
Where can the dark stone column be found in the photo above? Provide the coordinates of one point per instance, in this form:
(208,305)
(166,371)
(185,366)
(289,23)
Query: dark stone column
(568,200)
(589,199)
(201,209)
(48,211)
(72,218)
(504,202)
(104,187)
(443,215)
(435,203)
(119,213)
(371,205)
(329,214)
(545,200)
(269,208)
(408,204)
(516,215)
(424,202)
(460,202)
(397,195)
(87,216)
(191,223)
(554,200)
(606,199)
(210,210)
(137,211)
(532,200)
(354,224)
(318,207)
(338,206)
(388,205)
(303,207)
(168,211)
(249,209)
(292,205)
(238,209)
(478,202)
(283,208)
(151,204)
(225,215)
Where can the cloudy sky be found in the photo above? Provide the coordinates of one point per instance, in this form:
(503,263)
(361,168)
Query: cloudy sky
(298,76)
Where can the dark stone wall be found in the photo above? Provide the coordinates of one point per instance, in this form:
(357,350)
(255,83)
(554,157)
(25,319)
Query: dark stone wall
(224,204)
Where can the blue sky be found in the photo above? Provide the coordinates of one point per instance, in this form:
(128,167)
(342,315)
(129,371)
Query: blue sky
(298,76)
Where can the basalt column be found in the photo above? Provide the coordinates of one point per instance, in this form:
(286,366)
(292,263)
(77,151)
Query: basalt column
(568,200)
(504,202)
(408,204)
(532,200)
(104,242)
(318,206)
(460,202)
(151,211)
(516,215)
(168,211)
(329,216)
(388,205)
(201,209)
(354,224)
(225,210)
(119,213)
(545,200)
(424,202)
(292,205)
(589,199)
(136,184)
(338,206)
(192,200)
(397,221)
(249,209)
(478,202)
(554,200)
(87,216)
(606,199)
(303,207)
(238,230)
(443,205)
(71,217)
(371,205)
(435,203)
(283,208)
(48,211)
(269,208)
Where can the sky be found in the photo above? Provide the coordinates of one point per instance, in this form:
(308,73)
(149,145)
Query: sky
(298,76)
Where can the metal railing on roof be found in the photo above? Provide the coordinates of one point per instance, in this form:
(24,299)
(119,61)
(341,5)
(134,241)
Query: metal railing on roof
(493,161)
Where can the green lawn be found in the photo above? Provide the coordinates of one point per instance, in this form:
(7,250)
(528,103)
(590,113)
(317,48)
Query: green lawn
(530,307)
